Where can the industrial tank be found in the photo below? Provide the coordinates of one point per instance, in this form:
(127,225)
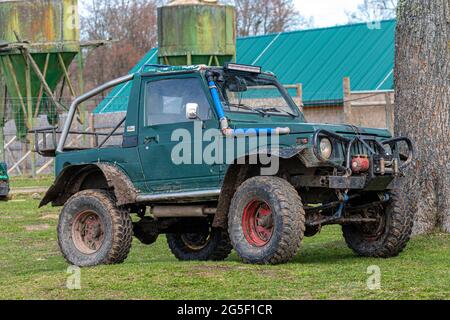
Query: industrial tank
(51,25)
(196,32)
(48,30)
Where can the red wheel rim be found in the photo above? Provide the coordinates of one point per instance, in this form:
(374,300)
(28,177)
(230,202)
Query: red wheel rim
(88,232)
(257,223)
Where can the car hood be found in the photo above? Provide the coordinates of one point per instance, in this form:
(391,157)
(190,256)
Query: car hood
(340,129)
(301,128)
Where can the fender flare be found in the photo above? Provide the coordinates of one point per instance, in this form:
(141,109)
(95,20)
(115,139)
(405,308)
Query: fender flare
(237,174)
(280,152)
(71,178)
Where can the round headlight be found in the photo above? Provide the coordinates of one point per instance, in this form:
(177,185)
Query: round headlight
(326,148)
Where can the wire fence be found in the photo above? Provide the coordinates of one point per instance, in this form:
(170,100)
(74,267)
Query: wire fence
(26,142)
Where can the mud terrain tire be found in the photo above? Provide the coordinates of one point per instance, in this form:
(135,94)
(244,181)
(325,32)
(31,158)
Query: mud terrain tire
(93,231)
(266,221)
(213,247)
(393,235)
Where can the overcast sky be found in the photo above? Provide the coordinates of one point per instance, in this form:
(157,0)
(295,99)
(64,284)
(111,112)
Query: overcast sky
(327,12)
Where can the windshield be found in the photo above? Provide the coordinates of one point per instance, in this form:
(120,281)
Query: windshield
(255,94)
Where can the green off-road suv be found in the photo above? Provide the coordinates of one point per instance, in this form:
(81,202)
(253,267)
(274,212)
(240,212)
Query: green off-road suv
(222,158)
(4,182)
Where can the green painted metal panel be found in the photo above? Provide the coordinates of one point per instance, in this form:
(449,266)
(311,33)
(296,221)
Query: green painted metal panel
(321,58)
(196,33)
(317,58)
(50,25)
(53,77)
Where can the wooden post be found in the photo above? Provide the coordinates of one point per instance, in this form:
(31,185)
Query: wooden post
(347,102)
(80,67)
(299,88)
(83,111)
(24,155)
(389,113)
(92,129)
(30,116)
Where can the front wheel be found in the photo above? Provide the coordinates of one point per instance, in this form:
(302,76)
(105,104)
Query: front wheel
(386,238)
(266,221)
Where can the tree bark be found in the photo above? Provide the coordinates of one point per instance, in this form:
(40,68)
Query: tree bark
(423,107)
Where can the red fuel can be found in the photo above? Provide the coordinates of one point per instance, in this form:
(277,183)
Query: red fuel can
(360,164)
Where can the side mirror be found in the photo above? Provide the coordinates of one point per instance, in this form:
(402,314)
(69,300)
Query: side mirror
(192,111)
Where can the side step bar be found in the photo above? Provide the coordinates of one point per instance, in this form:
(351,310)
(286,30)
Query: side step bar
(179,196)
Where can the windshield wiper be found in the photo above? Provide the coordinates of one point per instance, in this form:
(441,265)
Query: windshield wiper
(245,107)
(273,109)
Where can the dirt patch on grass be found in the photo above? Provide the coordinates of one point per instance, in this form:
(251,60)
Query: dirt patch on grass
(2,217)
(214,270)
(50,217)
(32,191)
(17,200)
(38,227)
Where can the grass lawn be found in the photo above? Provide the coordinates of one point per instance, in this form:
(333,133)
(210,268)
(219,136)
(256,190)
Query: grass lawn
(24,182)
(31,267)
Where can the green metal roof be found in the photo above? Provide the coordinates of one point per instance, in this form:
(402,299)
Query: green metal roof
(317,58)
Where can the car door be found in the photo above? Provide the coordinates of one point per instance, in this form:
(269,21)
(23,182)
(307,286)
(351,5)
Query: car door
(164,122)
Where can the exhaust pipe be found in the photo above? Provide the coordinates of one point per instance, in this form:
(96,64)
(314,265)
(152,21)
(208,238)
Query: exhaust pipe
(182,211)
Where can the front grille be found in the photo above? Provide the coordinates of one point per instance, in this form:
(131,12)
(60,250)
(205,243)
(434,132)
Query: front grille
(358,148)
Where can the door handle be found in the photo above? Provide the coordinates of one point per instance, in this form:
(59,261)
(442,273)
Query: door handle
(151,139)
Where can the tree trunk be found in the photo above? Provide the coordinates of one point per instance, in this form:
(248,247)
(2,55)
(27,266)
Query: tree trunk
(423,107)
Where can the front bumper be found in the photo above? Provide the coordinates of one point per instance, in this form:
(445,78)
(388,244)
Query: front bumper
(386,161)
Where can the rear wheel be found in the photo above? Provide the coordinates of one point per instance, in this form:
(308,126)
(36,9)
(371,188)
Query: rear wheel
(386,238)
(213,245)
(93,231)
(266,221)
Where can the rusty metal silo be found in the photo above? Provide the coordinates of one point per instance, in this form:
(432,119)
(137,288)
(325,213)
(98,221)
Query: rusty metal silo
(38,41)
(196,32)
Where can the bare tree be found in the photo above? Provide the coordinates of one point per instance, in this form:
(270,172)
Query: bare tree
(132,24)
(255,17)
(373,10)
(422,85)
